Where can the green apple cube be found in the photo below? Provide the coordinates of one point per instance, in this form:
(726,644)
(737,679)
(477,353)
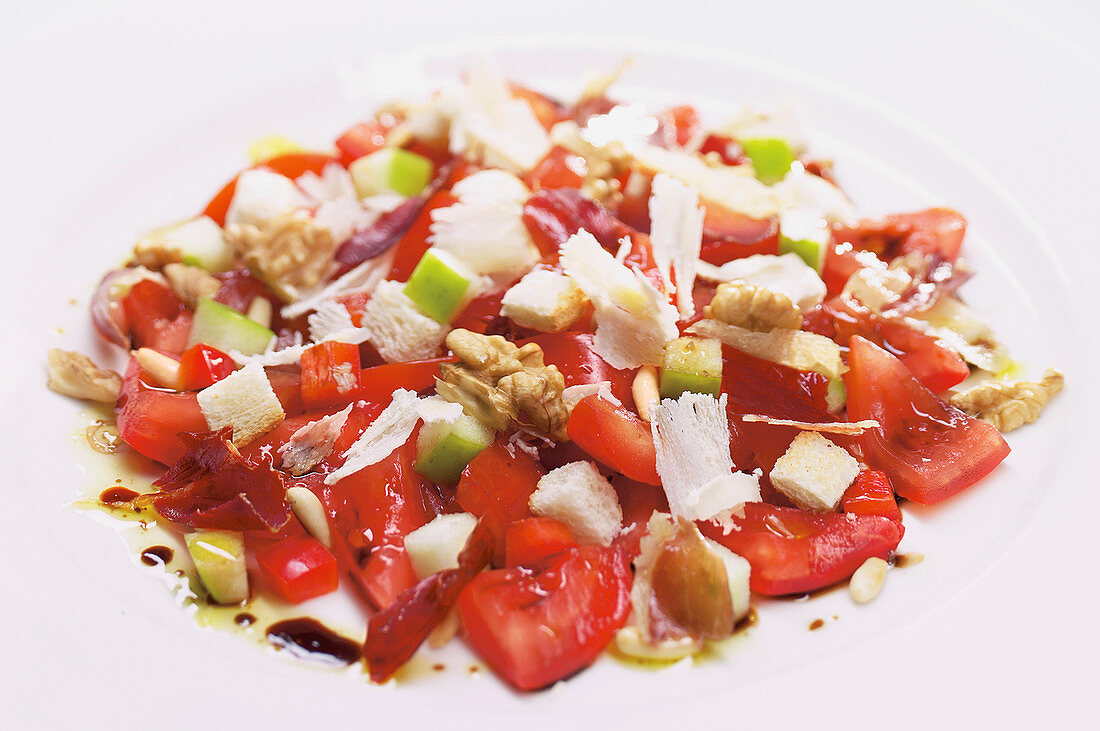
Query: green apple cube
(444,449)
(806,234)
(199,240)
(220,561)
(391,170)
(439,285)
(836,395)
(691,364)
(771,157)
(222,327)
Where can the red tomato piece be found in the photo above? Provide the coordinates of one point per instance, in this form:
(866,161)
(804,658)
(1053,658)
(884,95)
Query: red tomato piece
(639,501)
(553,215)
(793,551)
(560,168)
(548,111)
(379,382)
(298,569)
(152,311)
(578,362)
(728,235)
(871,494)
(537,627)
(727,148)
(677,126)
(202,366)
(330,374)
(150,419)
(842,260)
(496,486)
(932,231)
(528,541)
(414,242)
(385,574)
(929,449)
(362,139)
(286,382)
(615,437)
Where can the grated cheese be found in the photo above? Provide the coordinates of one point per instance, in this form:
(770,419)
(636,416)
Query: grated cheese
(846,428)
(572,395)
(329,318)
(676,235)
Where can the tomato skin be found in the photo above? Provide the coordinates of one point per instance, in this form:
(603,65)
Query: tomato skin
(871,494)
(298,569)
(529,541)
(385,574)
(929,449)
(151,419)
(330,374)
(794,551)
(202,366)
(496,487)
(537,627)
(615,437)
(559,168)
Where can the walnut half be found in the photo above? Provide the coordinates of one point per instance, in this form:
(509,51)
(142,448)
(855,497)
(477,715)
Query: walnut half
(290,253)
(1009,406)
(499,383)
(754,308)
(75,374)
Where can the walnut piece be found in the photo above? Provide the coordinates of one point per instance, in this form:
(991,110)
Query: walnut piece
(1009,406)
(290,253)
(499,383)
(753,307)
(191,283)
(75,374)
(155,255)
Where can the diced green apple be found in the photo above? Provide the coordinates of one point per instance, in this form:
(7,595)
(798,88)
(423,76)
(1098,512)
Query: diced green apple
(806,234)
(220,560)
(691,364)
(391,170)
(199,240)
(444,449)
(222,327)
(836,395)
(771,157)
(439,285)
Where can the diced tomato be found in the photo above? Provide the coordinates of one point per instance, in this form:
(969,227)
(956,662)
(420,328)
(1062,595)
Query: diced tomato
(757,386)
(548,111)
(385,574)
(496,486)
(363,138)
(528,541)
(929,449)
(615,437)
(291,165)
(537,627)
(871,494)
(935,365)
(151,419)
(677,126)
(414,242)
(574,356)
(726,147)
(842,260)
(298,569)
(560,168)
(286,382)
(379,382)
(158,318)
(932,231)
(792,551)
(330,374)
(202,366)
(728,235)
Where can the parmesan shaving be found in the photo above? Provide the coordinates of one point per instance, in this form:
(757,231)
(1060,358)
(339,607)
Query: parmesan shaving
(677,237)
(311,444)
(362,278)
(787,274)
(329,318)
(845,428)
(387,432)
(799,349)
(634,320)
(573,395)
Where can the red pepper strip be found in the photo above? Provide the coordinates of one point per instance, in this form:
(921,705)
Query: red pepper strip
(395,633)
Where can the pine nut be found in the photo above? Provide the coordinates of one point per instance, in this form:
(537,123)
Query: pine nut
(445,631)
(260,311)
(308,509)
(164,369)
(645,390)
(867,581)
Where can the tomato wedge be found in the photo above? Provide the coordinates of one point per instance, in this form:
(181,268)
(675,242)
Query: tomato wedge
(871,494)
(929,449)
(150,419)
(615,437)
(529,541)
(794,551)
(496,486)
(537,627)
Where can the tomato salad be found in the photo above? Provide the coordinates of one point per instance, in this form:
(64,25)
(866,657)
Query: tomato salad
(549,377)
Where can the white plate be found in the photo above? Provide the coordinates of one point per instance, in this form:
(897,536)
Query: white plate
(81,605)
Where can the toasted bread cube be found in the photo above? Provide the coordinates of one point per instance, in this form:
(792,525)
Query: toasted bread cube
(545,301)
(243,400)
(814,472)
(579,496)
(398,329)
(435,547)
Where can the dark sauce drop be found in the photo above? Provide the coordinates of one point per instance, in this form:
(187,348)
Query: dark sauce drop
(156,555)
(244,619)
(117,495)
(308,639)
(817,624)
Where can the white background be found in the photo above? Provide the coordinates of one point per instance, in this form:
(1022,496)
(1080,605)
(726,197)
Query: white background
(1015,85)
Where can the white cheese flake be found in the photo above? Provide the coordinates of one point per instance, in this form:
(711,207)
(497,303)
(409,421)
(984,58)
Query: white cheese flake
(677,237)
(847,428)
(329,318)
(243,400)
(311,444)
(572,395)
(363,278)
(387,432)
(261,195)
(634,320)
(492,187)
(799,349)
(692,440)
(787,274)
(489,236)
